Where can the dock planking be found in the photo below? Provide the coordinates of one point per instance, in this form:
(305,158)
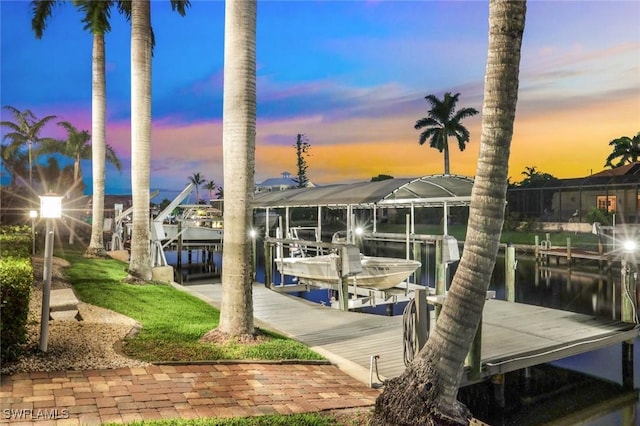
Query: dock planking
(514,335)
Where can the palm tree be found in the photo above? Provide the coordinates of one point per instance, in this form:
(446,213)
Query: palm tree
(140,259)
(238,141)
(76,147)
(141,49)
(625,148)
(443,121)
(197,180)
(15,162)
(25,130)
(426,392)
(210,186)
(96,19)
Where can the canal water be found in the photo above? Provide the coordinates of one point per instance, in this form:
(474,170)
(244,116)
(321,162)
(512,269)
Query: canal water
(582,383)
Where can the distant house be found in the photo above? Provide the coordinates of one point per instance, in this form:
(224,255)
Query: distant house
(285,181)
(614,190)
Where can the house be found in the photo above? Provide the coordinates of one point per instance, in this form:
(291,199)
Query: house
(614,190)
(285,181)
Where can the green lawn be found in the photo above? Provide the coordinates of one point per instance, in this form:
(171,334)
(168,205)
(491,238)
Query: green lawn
(310,419)
(172,320)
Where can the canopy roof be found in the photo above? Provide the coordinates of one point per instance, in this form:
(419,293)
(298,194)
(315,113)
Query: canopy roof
(426,191)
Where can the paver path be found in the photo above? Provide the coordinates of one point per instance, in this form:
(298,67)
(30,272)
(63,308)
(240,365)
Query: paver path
(177,391)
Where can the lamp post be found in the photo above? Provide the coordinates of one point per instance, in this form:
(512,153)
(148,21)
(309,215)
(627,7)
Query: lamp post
(33,214)
(50,209)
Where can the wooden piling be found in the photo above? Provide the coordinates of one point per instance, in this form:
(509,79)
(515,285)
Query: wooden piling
(417,255)
(423,321)
(268,264)
(474,357)
(510,272)
(440,274)
(628,314)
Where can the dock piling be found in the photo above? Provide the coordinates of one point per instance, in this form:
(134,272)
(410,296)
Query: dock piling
(510,272)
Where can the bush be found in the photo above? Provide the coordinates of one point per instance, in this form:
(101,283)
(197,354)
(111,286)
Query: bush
(599,215)
(16,280)
(15,241)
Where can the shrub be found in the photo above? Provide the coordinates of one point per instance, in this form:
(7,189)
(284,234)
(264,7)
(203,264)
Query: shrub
(599,215)
(15,241)
(16,280)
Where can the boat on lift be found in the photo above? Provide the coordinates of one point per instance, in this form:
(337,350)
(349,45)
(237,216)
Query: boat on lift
(196,223)
(379,273)
(325,270)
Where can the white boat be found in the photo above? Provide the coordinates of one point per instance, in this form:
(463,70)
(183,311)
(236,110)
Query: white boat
(378,273)
(197,222)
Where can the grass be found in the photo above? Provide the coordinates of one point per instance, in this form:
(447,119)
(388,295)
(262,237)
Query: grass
(172,320)
(308,419)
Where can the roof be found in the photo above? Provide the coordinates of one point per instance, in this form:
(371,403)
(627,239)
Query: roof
(426,191)
(622,176)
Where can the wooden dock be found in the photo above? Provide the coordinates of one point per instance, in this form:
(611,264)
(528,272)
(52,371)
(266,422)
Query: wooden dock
(514,335)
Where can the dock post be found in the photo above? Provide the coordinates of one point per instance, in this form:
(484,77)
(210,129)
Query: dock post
(497,383)
(440,274)
(179,253)
(423,323)
(510,273)
(268,264)
(569,251)
(627,364)
(474,357)
(537,248)
(343,293)
(417,255)
(627,314)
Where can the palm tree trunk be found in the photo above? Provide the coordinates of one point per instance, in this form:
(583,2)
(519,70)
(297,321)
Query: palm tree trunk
(239,124)
(426,392)
(75,196)
(140,260)
(98,145)
(445,144)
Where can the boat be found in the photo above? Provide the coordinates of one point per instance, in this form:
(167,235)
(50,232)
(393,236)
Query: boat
(197,223)
(379,273)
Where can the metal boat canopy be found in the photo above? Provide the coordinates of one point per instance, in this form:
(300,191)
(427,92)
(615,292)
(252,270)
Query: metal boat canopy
(426,191)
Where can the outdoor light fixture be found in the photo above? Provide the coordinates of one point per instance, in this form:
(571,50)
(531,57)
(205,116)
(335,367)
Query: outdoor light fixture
(253,233)
(50,209)
(629,246)
(50,206)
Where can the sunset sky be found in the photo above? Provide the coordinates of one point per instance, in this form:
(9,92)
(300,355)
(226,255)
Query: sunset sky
(351,75)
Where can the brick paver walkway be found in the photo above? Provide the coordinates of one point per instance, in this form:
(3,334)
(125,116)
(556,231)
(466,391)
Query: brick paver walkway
(177,391)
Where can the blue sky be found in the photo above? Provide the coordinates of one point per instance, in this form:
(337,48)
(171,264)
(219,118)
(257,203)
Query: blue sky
(351,75)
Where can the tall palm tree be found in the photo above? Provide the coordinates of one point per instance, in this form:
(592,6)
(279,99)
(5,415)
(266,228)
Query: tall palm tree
(96,20)
(426,392)
(626,149)
(141,49)
(238,142)
(140,259)
(442,122)
(76,147)
(210,186)
(197,180)
(25,130)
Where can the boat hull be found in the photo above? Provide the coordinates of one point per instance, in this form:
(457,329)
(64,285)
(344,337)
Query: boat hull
(193,233)
(378,273)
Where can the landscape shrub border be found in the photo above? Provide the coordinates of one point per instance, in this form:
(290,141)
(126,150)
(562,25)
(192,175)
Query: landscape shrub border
(16,282)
